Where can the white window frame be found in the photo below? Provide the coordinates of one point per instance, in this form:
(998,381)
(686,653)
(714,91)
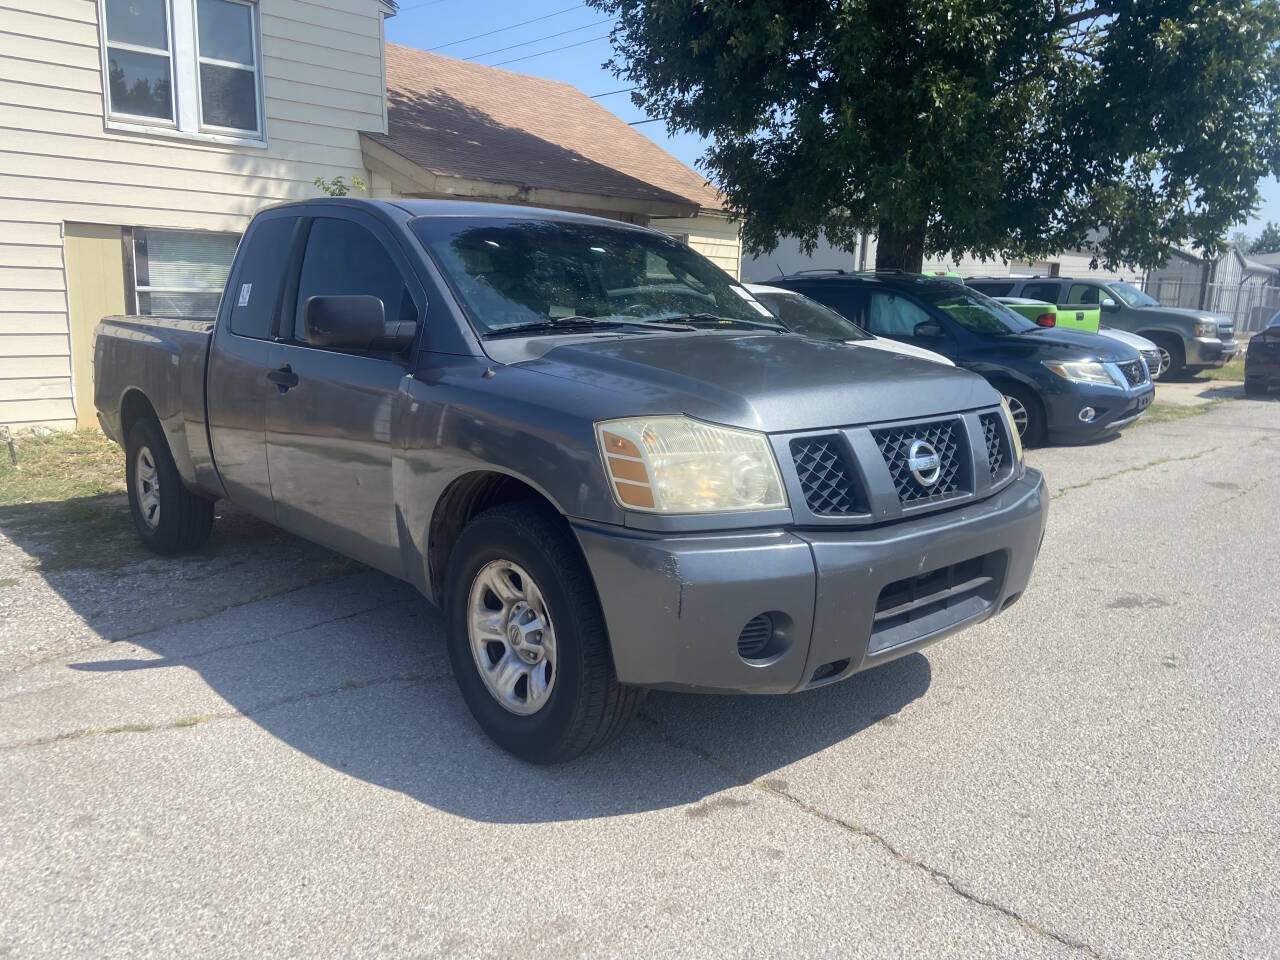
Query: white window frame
(256,70)
(134,119)
(184,71)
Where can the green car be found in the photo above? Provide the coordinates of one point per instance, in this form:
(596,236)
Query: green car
(1049,315)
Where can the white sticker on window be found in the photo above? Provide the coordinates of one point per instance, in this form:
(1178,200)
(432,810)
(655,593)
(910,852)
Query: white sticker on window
(245,290)
(746,295)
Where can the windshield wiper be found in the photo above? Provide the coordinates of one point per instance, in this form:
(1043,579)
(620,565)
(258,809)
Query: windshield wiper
(711,318)
(554,324)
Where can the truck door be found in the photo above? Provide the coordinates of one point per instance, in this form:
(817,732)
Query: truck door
(331,413)
(242,352)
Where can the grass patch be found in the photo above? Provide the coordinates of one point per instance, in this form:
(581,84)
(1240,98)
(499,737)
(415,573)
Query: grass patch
(1168,412)
(61,466)
(1231,371)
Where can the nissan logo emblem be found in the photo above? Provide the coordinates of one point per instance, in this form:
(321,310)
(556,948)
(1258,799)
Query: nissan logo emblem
(924,463)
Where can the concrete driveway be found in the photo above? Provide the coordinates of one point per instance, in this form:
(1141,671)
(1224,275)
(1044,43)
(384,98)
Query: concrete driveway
(259,752)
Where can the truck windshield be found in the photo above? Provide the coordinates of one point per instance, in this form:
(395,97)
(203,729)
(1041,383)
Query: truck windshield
(1132,296)
(974,311)
(510,273)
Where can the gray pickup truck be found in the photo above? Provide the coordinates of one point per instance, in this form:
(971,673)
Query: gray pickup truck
(1189,340)
(590,446)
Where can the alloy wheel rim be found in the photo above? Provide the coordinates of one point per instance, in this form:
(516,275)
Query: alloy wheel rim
(146,488)
(1019,414)
(1166,359)
(511,637)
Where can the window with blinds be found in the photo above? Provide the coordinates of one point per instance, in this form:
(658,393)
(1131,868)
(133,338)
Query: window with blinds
(180,273)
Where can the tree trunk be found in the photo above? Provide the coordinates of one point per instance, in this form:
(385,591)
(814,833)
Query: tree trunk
(900,248)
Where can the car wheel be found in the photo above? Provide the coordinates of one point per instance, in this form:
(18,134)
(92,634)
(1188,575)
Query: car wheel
(1255,388)
(527,638)
(1172,357)
(1028,414)
(169,518)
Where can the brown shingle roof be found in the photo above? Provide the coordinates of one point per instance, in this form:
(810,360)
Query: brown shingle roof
(462,119)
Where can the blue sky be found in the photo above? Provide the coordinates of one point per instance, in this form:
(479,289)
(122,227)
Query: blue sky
(438,23)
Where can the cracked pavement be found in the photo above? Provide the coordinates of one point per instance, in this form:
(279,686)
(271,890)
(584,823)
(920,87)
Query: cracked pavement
(261,752)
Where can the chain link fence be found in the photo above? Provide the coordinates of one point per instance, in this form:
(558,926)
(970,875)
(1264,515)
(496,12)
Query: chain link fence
(1250,305)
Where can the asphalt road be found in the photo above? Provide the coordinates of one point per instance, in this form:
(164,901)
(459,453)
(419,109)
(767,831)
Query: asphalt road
(202,758)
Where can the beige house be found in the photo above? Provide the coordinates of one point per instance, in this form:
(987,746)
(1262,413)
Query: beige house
(129,193)
(137,138)
(464,130)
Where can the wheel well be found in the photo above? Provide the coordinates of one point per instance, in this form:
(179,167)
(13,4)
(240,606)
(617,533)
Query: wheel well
(462,500)
(134,407)
(1170,341)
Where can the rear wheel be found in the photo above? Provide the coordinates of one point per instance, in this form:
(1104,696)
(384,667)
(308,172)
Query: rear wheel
(169,518)
(1255,388)
(527,639)
(1028,414)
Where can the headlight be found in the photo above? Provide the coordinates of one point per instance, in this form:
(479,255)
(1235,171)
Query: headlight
(1206,328)
(1013,435)
(1083,372)
(680,465)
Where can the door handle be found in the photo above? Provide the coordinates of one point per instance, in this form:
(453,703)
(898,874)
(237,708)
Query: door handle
(284,378)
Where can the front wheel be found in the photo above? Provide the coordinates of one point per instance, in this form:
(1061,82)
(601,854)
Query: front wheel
(1028,415)
(527,639)
(169,518)
(1255,388)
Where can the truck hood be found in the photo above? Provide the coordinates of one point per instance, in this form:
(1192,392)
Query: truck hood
(764,382)
(1187,313)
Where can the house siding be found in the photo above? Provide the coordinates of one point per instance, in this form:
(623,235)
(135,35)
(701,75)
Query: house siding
(715,237)
(323,77)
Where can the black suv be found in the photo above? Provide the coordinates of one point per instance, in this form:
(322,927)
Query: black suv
(1189,340)
(1059,384)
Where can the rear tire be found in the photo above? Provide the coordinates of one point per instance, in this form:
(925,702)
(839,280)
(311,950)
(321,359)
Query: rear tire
(1028,413)
(169,518)
(569,700)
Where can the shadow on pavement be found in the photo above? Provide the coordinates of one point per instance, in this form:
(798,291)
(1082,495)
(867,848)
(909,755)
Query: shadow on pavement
(354,674)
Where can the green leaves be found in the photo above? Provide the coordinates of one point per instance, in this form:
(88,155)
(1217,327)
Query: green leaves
(1008,128)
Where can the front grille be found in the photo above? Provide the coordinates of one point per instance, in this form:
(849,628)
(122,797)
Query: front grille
(915,607)
(1226,331)
(827,479)
(1134,371)
(895,444)
(1153,362)
(993,432)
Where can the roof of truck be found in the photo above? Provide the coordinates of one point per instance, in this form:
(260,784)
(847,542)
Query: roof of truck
(460,208)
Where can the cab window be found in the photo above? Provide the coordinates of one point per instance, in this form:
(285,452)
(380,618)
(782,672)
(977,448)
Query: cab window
(1085,294)
(1048,292)
(345,259)
(889,315)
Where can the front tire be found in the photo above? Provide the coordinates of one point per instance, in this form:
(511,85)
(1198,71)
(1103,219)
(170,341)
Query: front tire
(169,518)
(1255,388)
(1028,413)
(1173,358)
(527,638)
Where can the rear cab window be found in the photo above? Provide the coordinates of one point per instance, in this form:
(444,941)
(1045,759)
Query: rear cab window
(255,301)
(1048,292)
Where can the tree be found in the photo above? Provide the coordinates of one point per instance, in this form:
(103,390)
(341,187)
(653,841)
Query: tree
(1009,128)
(1268,240)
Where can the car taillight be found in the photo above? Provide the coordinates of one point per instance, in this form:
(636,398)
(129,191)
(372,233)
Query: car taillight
(1047,320)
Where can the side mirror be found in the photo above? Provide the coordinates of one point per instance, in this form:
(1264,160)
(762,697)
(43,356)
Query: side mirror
(353,323)
(929,328)
(1109,304)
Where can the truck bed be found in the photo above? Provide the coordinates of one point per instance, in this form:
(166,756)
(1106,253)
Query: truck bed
(159,363)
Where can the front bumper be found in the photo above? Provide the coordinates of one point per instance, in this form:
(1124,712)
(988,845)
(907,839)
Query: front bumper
(1113,410)
(1205,352)
(841,600)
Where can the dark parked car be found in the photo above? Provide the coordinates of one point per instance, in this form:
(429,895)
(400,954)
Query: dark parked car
(1189,340)
(1060,384)
(596,451)
(1262,360)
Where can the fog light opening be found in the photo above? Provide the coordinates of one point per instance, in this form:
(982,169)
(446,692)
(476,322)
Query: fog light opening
(1087,414)
(764,638)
